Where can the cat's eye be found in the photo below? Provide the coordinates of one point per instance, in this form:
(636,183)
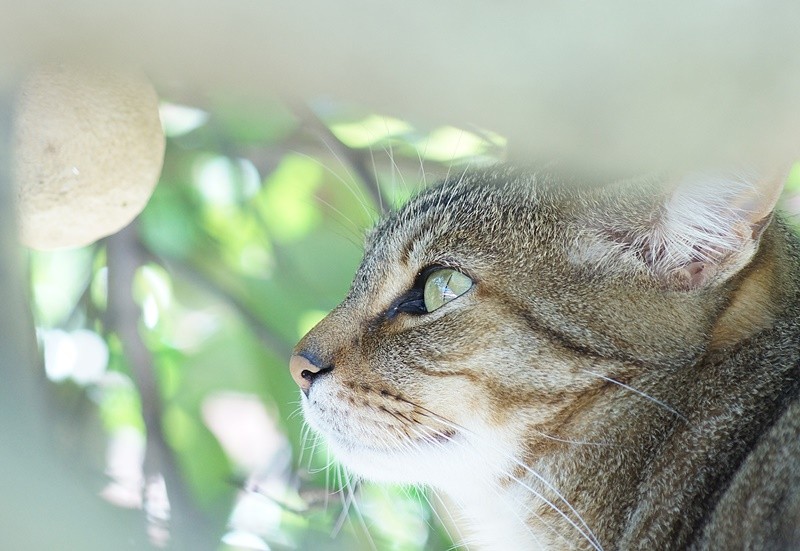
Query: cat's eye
(444,285)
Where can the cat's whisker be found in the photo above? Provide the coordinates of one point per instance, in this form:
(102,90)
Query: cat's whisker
(313,452)
(644,395)
(375,170)
(452,196)
(413,446)
(588,534)
(453,524)
(304,432)
(376,179)
(327,480)
(449,168)
(344,514)
(395,169)
(349,186)
(494,489)
(325,467)
(439,519)
(392,164)
(349,486)
(392,159)
(568,441)
(354,180)
(353,234)
(308,451)
(423,176)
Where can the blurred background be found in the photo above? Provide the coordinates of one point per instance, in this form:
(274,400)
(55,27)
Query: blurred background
(165,346)
(155,408)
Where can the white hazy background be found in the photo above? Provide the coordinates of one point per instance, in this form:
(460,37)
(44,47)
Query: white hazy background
(634,83)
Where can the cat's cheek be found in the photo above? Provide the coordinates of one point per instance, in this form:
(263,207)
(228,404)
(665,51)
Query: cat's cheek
(318,411)
(309,414)
(369,464)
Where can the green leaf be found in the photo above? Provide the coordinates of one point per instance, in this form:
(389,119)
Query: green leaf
(287,201)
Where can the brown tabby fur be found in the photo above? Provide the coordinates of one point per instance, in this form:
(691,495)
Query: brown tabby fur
(575,396)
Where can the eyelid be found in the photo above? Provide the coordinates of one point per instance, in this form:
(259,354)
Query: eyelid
(444,264)
(424,273)
(413,294)
(416,294)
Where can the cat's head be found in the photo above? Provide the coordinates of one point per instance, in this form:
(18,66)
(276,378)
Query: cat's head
(501,302)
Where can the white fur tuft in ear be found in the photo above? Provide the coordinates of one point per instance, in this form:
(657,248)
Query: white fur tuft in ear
(712,224)
(701,222)
(706,230)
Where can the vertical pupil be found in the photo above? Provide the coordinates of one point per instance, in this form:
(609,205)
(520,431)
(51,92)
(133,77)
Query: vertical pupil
(446,291)
(443,286)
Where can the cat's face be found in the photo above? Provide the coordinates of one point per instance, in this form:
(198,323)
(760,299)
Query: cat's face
(483,319)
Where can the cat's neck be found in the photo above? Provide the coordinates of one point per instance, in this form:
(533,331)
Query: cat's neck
(674,422)
(489,517)
(511,504)
(493,509)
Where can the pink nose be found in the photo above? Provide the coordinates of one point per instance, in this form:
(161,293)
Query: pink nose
(303,372)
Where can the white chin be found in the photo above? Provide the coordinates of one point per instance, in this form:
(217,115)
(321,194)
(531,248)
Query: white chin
(382,458)
(423,463)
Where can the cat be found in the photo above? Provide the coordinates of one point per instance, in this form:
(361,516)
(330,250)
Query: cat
(575,367)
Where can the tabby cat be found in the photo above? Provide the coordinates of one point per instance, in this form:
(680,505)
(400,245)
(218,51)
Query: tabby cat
(592,367)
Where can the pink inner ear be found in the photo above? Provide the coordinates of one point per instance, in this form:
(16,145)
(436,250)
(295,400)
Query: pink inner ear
(697,273)
(700,232)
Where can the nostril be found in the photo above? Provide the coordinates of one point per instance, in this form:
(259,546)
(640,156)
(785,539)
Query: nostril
(307,375)
(304,371)
(311,375)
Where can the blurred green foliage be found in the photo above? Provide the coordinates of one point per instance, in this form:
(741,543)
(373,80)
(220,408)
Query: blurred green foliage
(251,236)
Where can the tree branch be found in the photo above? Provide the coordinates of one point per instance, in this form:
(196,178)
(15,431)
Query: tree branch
(197,277)
(190,529)
(356,159)
(46,500)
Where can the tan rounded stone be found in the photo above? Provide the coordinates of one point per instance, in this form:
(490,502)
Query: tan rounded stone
(88,152)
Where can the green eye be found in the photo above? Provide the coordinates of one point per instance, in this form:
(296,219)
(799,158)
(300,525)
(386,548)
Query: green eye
(444,285)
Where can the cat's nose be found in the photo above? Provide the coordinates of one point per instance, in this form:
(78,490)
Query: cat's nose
(304,372)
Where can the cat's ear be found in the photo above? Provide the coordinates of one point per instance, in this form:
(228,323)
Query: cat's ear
(706,229)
